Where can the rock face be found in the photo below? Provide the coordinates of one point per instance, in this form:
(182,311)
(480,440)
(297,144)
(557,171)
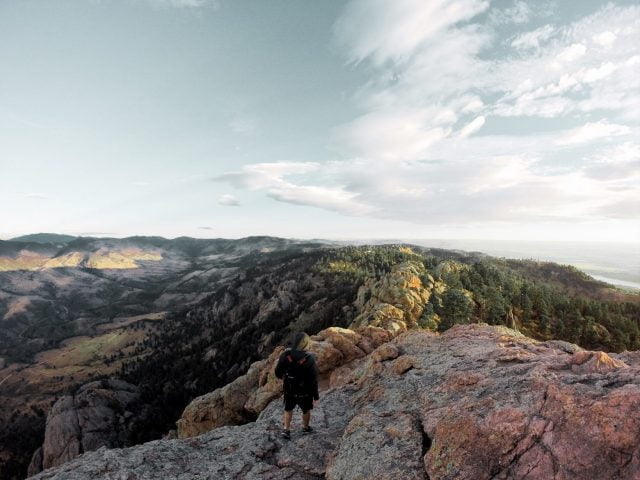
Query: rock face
(388,307)
(95,416)
(396,301)
(476,402)
(243,399)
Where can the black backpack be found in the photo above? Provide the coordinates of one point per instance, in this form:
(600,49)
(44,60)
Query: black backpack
(295,375)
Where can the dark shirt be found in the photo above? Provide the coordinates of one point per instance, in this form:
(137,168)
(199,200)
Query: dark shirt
(309,369)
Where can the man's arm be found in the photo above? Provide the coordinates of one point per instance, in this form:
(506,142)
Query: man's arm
(280,366)
(314,378)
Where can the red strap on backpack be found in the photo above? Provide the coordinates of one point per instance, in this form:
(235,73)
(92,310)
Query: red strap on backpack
(300,362)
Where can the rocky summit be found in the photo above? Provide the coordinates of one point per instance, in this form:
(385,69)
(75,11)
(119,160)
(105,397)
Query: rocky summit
(476,402)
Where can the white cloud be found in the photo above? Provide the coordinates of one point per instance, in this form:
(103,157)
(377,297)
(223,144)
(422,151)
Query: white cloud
(533,40)
(594,77)
(572,53)
(264,175)
(592,131)
(382,30)
(627,152)
(395,135)
(270,177)
(228,200)
(329,198)
(36,196)
(425,149)
(520,12)
(605,39)
(474,105)
(620,163)
(472,127)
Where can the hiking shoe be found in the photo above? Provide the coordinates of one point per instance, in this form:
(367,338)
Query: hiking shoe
(307,429)
(286,434)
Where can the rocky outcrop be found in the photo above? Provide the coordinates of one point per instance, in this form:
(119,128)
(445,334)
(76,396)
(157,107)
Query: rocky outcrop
(388,307)
(476,402)
(396,301)
(96,416)
(243,399)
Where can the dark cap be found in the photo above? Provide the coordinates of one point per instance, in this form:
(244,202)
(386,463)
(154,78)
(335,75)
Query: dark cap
(300,341)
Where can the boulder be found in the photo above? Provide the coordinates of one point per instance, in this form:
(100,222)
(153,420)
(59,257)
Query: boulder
(223,406)
(96,415)
(594,362)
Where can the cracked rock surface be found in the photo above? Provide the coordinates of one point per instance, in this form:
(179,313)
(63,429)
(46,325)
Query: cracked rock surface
(476,402)
(96,415)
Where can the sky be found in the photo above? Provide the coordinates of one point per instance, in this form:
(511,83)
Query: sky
(479,119)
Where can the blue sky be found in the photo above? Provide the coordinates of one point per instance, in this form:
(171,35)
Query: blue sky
(351,119)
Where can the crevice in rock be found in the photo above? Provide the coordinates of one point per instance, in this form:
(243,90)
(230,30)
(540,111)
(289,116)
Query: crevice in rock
(80,434)
(625,464)
(426,443)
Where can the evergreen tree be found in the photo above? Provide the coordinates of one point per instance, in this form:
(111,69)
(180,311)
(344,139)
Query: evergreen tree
(456,308)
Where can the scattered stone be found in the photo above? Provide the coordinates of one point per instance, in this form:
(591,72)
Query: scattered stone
(388,351)
(403,364)
(594,362)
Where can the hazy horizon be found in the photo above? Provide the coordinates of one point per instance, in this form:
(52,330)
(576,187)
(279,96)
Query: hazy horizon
(617,263)
(491,119)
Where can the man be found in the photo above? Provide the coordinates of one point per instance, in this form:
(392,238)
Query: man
(298,370)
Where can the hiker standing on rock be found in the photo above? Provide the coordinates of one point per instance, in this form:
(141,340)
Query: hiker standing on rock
(297,368)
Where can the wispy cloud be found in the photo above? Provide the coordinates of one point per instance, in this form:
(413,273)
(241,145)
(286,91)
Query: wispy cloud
(592,131)
(472,127)
(228,200)
(435,141)
(533,39)
(36,196)
(519,12)
(244,125)
(273,178)
(392,31)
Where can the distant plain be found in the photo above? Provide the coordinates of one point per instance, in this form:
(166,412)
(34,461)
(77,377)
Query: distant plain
(614,263)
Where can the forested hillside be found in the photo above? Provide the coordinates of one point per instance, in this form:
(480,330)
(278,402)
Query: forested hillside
(242,322)
(267,294)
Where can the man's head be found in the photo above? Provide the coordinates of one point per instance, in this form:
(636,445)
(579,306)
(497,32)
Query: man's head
(300,341)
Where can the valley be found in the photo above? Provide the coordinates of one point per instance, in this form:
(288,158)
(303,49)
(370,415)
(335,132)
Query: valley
(180,318)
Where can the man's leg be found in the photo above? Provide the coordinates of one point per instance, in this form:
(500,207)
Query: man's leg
(286,419)
(306,417)
(289,405)
(306,405)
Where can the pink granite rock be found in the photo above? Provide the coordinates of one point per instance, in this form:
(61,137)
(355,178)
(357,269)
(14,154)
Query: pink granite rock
(450,406)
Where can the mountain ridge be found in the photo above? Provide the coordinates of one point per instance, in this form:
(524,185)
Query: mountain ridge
(236,306)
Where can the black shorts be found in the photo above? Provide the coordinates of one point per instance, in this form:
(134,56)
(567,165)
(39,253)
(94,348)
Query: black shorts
(305,402)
